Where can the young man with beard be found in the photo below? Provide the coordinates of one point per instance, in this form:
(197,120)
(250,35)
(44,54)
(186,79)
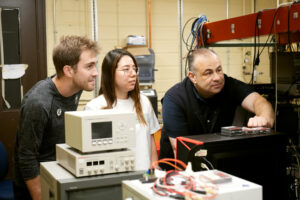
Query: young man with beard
(41,124)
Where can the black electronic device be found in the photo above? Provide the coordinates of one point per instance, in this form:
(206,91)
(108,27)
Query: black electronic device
(288,71)
(264,88)
(146,65)
(152,95)
(267,90)
(258,158)
(287,120)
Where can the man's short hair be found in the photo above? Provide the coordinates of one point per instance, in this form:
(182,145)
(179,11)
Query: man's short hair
(68,51)
(192,54)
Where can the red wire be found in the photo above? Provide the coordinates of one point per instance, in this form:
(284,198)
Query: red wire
(156,191)
(154,164)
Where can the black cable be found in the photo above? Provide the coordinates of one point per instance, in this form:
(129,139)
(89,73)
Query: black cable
(186,62)
(194,159)
(289,40)
(255,59)
(259,53)
(270,32)
(182,33)
(201,35)
(196,32)
(190,49)
(187,46)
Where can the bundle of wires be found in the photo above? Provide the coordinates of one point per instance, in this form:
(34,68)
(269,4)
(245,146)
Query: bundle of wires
(178,185)
(195,35)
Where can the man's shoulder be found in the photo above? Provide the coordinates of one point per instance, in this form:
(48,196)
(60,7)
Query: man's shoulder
(41,86)
(233,83)
(39,94)
(236,89)
(180,93)
(231,80)
(180,86)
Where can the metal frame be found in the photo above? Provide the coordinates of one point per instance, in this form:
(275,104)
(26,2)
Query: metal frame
(244,26)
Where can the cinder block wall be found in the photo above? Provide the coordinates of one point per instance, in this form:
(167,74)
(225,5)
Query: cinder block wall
(119,18)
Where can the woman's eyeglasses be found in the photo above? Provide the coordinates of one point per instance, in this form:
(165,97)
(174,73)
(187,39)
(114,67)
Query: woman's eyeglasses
(128,70)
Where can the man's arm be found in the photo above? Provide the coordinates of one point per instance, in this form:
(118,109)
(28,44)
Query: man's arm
(34,187)
(264,113)
(29,139)
(173,144)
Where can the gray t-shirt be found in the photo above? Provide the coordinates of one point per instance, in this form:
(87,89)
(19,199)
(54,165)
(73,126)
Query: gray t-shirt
(41,127)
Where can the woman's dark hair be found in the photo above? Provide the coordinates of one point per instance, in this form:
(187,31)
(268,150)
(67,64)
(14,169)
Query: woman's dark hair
(107,88)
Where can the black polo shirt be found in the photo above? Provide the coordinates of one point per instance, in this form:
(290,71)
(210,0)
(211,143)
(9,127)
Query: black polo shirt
(186,113)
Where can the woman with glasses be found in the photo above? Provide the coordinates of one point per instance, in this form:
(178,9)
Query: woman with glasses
(119,90)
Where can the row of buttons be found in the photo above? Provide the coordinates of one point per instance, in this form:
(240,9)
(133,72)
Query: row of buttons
(126,161)
(129,165)
(122,141)
(100,142)
(101,171)
(122,138)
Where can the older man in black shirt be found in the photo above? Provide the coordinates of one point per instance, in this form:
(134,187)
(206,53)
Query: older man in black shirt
(206,100)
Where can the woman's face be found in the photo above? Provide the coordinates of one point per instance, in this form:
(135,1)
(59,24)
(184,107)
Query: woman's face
(125,77)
